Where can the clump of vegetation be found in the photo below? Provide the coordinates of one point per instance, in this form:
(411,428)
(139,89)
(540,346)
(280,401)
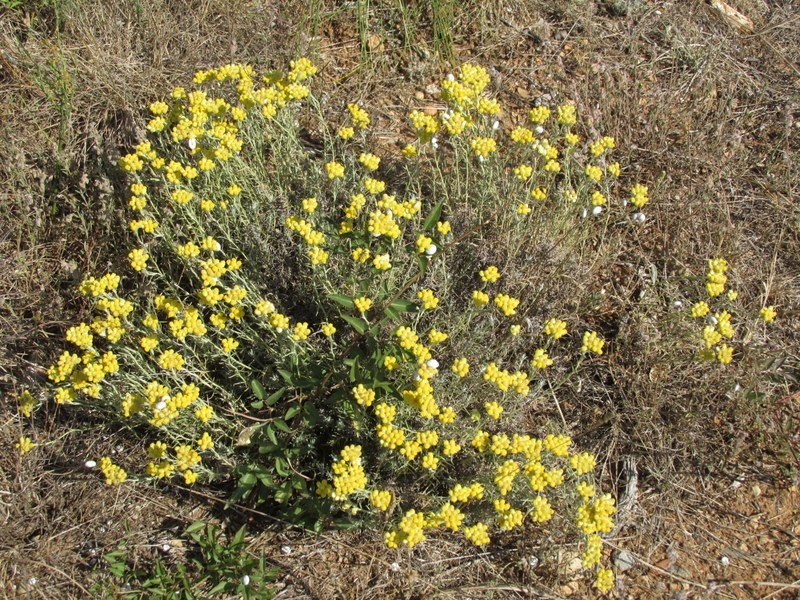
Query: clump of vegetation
(216,566)
(370,366)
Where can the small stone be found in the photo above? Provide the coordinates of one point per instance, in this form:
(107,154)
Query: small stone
(575,565)
(624,560)
(419,96)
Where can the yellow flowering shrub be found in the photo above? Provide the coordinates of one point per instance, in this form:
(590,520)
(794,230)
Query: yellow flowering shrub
(351,367)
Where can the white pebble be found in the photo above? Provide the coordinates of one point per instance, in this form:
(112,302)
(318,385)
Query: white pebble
(166,547)
(496,125)
(431,250)
(639,217)
(597,210)
(584,213)
(246,580)
(90,464)
(286,549)
(161,405)
(725,561)
(192,143)
(677,304)
(394,567)
(433,363)
(539,129)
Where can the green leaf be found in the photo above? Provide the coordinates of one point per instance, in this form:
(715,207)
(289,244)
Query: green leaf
(238,538)
(281,424)
(345,301)
(220,587)
(354,370)
(258,389)
(247,479)
(291,411)
(344,523)
(402,305)
(287,376)
(422,261)
(358,324)
(273,398)
(391,313)
(310,413)
(299,483)
(433,216)
(271,434)
(284,493)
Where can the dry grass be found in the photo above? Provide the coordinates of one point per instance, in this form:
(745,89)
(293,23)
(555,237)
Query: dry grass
(705,113)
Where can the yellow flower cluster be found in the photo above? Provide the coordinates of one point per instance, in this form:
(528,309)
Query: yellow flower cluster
(715,276)
(592,342)
(114,474)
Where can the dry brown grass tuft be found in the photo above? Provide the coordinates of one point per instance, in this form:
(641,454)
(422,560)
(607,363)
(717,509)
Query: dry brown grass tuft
(708,115)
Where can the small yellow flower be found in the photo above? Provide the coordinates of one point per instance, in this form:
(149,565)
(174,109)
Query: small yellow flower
(334,169)
(204,413)
(229,345)
(604,581)
(490,274)
(364,395)
(409,151)
(25,445)
(700,309)
(363,304)
(592,342)
(428,299)
(328,329)
(138,258)
(768,313)
(430,461)
(26,403)
(370,161)
(300,332)
(205,442)
(493,409)
(382,262)
(309,205)
(541,360)
(360,255)
(170,360)
(381,499)
(479,298)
